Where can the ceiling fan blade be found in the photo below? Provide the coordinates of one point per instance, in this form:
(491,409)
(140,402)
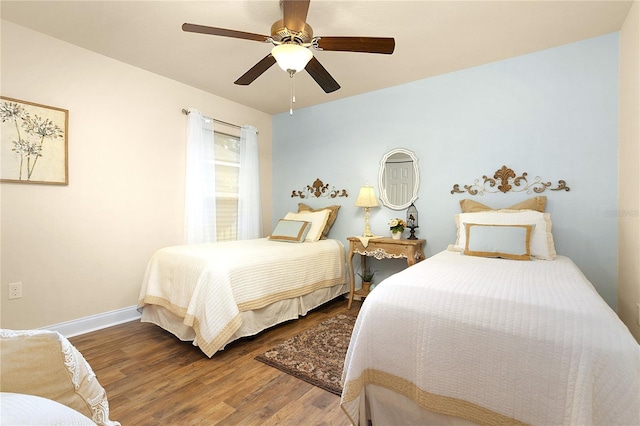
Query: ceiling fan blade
(384,45)
(193,28)
(321,76)
(256,71)
(294,14)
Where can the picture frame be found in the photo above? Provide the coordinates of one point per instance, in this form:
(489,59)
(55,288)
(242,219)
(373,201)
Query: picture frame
(33,143)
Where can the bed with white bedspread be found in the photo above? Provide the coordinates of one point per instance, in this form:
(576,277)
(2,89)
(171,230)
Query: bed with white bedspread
(460,339)
(216,293)
(497,329)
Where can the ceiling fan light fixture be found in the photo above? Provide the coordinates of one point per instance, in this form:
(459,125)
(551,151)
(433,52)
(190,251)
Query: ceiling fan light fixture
(291,56)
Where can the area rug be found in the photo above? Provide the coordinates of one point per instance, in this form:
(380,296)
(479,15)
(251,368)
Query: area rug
(315,355)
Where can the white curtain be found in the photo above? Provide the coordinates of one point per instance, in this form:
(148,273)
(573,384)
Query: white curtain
(200,201)
(249,211)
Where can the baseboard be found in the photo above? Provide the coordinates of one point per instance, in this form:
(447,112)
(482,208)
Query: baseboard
(96,322)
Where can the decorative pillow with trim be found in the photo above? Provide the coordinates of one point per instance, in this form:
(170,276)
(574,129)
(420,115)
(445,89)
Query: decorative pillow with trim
(318,221)
(290,231)
(538,203)
(44,363)
(333,215)
(542,246)
(504,241)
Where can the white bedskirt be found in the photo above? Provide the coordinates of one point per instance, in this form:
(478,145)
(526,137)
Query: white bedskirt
(254,321)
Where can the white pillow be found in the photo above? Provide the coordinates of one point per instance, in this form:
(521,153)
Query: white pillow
(542,246)
(22,409)
(318,221)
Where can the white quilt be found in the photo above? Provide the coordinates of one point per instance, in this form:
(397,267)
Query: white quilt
(495,341)
(210,284)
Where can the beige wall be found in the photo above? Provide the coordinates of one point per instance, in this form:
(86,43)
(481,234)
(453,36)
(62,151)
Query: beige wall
(629,174)
(81,249)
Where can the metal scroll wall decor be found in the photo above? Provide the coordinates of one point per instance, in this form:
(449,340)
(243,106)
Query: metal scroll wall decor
(319,189)
(506,180)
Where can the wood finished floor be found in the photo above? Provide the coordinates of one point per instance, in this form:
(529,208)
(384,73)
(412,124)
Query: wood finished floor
(152,378)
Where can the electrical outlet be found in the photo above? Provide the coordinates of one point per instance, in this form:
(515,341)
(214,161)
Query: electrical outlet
(15,290)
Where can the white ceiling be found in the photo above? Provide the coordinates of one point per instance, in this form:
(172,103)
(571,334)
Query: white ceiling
(432,37)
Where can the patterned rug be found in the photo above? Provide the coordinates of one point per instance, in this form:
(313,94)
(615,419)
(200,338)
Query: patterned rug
(315,355)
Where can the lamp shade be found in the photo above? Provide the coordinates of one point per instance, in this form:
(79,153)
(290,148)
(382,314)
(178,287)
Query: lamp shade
(291,56)
(367,197)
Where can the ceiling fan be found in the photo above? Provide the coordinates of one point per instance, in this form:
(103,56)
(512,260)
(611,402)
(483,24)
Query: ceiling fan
(292,38)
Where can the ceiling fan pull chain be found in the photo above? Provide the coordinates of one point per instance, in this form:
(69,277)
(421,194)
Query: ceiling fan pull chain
(291,100)
(293,91)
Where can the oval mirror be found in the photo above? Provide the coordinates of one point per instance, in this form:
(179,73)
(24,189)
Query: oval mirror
(398,179)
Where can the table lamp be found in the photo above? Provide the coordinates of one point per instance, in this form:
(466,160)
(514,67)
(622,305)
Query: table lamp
(367,199)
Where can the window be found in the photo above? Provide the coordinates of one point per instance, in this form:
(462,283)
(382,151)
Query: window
(216,187)
(227,164)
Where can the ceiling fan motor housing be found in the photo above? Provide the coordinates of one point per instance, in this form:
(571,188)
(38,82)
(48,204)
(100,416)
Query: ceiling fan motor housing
(281,34)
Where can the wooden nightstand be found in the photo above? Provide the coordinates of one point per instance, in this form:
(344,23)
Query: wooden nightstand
(381,248)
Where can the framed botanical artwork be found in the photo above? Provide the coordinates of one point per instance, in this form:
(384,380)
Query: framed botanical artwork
(33,143)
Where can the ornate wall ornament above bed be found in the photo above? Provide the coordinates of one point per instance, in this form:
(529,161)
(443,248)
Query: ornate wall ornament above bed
(507,180)
(319,189)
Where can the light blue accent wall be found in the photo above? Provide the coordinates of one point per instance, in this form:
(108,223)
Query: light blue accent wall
(552,114)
